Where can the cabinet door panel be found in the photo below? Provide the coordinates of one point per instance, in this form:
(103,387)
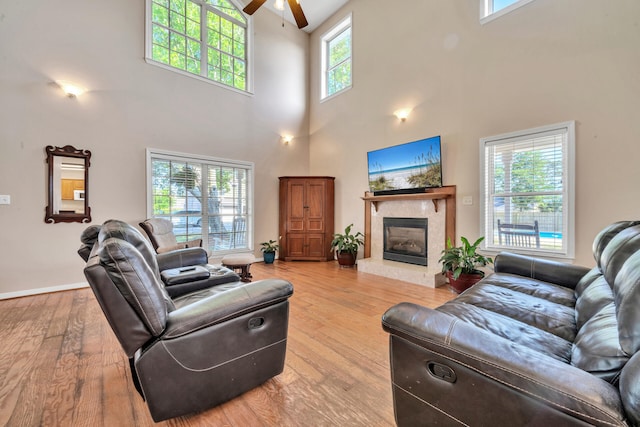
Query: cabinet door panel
(316,245)
(296,206)
(296,245)
(316,208)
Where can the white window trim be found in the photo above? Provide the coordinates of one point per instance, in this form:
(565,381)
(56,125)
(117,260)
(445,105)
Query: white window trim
(324,43)
(486,5)
(568,214)
(173,155)
(148,57)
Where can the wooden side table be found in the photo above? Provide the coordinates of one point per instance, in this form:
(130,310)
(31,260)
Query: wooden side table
(241,264)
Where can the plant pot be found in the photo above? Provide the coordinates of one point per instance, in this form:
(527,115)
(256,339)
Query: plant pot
(269,257)
(346,259)
(464,282)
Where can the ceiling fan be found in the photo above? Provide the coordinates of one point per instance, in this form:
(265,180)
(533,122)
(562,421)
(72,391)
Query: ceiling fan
(296,9)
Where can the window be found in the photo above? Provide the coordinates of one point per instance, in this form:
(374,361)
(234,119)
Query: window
(491,9)
(528,185)
(204,38)
(336,59)
(204,197)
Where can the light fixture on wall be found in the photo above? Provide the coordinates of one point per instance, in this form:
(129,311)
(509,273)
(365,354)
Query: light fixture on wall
(402,114)
(286,139)
(71,89)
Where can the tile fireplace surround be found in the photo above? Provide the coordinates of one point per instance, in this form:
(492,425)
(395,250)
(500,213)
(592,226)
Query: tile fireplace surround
(438,206)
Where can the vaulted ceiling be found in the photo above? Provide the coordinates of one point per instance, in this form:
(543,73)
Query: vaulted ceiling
(316,11)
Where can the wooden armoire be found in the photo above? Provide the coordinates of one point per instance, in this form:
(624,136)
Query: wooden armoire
(306,218)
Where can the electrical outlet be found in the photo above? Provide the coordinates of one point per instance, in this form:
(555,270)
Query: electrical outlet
(5,200)
(467,200)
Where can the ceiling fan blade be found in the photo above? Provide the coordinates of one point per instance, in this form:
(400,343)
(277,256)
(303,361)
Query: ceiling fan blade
(251,8)
(301,20)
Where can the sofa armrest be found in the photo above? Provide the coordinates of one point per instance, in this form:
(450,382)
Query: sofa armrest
(485,367)
(559,273)
(182,258)
(222,306)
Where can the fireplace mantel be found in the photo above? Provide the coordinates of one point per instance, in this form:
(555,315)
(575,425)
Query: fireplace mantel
(446,193)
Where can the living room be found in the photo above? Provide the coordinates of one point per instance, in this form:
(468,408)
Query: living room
(544,63)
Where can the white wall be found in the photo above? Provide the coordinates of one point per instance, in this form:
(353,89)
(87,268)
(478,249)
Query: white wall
(464,81)
(548,62)
(130,106)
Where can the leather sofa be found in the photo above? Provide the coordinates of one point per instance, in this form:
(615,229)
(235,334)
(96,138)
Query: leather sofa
(194,351)
(536,343)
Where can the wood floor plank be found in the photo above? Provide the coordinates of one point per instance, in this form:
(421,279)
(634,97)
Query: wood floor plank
(60,363)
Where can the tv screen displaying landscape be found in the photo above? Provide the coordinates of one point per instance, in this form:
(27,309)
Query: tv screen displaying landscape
(412,166)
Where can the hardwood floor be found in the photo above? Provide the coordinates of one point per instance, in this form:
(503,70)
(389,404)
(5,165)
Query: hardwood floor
(60,364)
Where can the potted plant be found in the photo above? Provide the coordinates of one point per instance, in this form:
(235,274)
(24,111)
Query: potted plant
(346,246)
(460,264)
(269,251)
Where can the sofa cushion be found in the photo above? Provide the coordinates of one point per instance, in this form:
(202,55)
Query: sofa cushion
(602,239)
(593,293)
(620,264)
(557,319)
(510,329)
(597,349)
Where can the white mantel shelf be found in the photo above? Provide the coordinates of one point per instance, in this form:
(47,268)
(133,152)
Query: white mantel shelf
(446,193)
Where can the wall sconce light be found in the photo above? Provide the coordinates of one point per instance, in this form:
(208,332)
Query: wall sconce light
(402,114)
(70,89)
(286,139)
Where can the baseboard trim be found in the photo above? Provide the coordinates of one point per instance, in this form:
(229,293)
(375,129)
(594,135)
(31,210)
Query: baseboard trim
(38,291)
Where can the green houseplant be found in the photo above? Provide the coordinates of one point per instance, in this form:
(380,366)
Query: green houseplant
(346,246)
(460,264)
(269,251)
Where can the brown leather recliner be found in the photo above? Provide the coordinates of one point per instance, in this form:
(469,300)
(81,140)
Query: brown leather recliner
(195,351)
(537,343)
(182,270)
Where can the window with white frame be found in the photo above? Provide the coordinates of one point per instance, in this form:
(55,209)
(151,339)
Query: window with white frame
(203,197)
(336,59)
(527,196)
(204,38)
(491,9)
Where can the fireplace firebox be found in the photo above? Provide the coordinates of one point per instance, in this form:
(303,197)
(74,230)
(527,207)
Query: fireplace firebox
(405,240)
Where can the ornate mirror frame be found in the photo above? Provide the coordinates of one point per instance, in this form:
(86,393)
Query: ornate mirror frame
(68,199)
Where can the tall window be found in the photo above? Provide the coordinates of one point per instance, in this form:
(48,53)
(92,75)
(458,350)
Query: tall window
(205,38)
(491,9)
(528,192)
(336,59)
(203,197)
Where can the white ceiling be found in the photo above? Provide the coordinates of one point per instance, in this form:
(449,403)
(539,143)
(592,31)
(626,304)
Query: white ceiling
(316,11)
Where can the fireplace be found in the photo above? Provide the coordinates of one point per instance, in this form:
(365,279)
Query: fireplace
(405,240)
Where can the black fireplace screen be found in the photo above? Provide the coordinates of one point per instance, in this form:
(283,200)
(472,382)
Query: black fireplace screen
(405,240)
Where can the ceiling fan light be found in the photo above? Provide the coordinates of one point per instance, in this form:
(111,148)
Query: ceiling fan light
(279,4)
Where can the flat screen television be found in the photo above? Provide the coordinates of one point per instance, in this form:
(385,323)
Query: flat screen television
(405,168)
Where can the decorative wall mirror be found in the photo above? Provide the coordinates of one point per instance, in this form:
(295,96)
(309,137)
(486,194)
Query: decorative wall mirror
(68,198)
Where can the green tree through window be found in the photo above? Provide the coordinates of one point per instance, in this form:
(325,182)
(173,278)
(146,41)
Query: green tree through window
(203,198)
(528,178)
(336,59)
(207,38)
